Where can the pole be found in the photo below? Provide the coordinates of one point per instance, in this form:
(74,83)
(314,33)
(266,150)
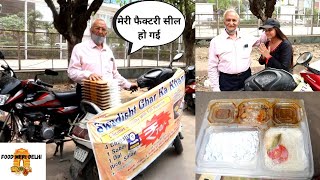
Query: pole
(60,46)
(239,8)
(25,30)
(128,57)
(312,15)
(158,57)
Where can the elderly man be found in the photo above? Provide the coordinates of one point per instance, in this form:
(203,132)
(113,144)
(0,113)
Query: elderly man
(94,60)
(229,55)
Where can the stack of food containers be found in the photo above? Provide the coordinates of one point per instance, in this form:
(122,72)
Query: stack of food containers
(266,138)
(105,94)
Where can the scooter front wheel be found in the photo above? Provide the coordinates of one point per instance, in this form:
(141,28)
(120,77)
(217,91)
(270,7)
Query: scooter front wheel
(178,145)
(91,170)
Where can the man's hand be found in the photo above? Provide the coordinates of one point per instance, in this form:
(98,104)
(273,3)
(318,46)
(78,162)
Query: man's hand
(134,87)
(94,77)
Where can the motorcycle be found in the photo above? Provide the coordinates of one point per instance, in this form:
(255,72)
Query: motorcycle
(84,165)
(33,112)
(271,79)
(311,75)
(190,89)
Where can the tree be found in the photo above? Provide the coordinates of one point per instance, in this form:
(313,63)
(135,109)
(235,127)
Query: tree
(226,4)
(33,23)
(262,9)
(71,19)
(187,8)
(12,22)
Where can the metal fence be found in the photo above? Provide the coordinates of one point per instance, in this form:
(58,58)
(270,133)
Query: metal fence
(49,50)
(210,25)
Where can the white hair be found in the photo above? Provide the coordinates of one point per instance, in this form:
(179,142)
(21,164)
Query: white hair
(230,11)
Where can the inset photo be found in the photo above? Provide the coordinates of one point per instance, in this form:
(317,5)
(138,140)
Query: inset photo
(256,46)
(271,135)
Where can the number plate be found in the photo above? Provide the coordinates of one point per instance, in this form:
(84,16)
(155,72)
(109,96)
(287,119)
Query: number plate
(3,99)
(80,154)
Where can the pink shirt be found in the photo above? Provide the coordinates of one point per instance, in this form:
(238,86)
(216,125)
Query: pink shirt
(86,59)
(231,56)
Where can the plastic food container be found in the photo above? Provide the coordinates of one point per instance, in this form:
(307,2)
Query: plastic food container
(286,113)
(222,112)
(288,154)
(255,138)
(255,111)
(237,147)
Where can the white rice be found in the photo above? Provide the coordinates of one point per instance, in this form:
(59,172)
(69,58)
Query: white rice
(292,139)
(232,147)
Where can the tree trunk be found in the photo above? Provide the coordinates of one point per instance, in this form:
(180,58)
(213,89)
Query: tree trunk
(71,21)
(189,34)
(189,51)
(262,9)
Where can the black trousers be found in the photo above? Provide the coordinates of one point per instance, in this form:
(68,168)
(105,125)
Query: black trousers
(78,90)
(233,82)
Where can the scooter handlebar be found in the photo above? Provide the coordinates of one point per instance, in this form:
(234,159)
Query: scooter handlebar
(44,84)
(313,70)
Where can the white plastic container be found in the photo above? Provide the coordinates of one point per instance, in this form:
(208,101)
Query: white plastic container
(280,116)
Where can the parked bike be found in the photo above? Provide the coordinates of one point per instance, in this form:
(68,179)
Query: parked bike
(84,163)
(312,74)
(33,113)
(190,89)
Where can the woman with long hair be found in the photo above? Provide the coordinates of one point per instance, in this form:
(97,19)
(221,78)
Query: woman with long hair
(277,52)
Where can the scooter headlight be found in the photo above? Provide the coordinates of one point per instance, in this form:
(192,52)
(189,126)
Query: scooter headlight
(19,106)
(3,98)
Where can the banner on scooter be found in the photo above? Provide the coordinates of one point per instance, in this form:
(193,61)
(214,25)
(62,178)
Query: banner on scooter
(127,138)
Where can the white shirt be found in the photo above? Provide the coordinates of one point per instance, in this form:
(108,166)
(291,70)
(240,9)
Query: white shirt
(86,59)
(231,56)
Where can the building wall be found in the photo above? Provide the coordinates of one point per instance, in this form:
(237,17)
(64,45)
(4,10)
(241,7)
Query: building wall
(14,7)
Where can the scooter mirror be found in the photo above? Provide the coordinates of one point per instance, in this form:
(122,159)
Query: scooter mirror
(50,72)
(304,58)
(178,56)
(1,55)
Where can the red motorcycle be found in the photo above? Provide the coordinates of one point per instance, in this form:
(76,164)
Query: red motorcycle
(190,89)
(32,112)
(311,75)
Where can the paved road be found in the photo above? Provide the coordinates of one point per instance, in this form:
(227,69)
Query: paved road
(167,166)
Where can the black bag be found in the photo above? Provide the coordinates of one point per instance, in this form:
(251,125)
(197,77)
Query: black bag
(270,80)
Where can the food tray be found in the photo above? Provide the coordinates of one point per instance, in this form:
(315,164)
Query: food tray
(258,138)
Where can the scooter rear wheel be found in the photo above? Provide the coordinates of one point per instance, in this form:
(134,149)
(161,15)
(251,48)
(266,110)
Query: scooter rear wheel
(91,170)
(178,145)
(6,136)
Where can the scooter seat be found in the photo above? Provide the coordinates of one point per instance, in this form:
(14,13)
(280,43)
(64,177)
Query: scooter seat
(270,80)
(68,98)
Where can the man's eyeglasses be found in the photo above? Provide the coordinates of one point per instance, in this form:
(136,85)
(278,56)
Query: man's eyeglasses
(268,30)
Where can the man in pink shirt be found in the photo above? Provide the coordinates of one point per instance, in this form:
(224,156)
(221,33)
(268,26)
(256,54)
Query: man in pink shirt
(229,55)
(94,60)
